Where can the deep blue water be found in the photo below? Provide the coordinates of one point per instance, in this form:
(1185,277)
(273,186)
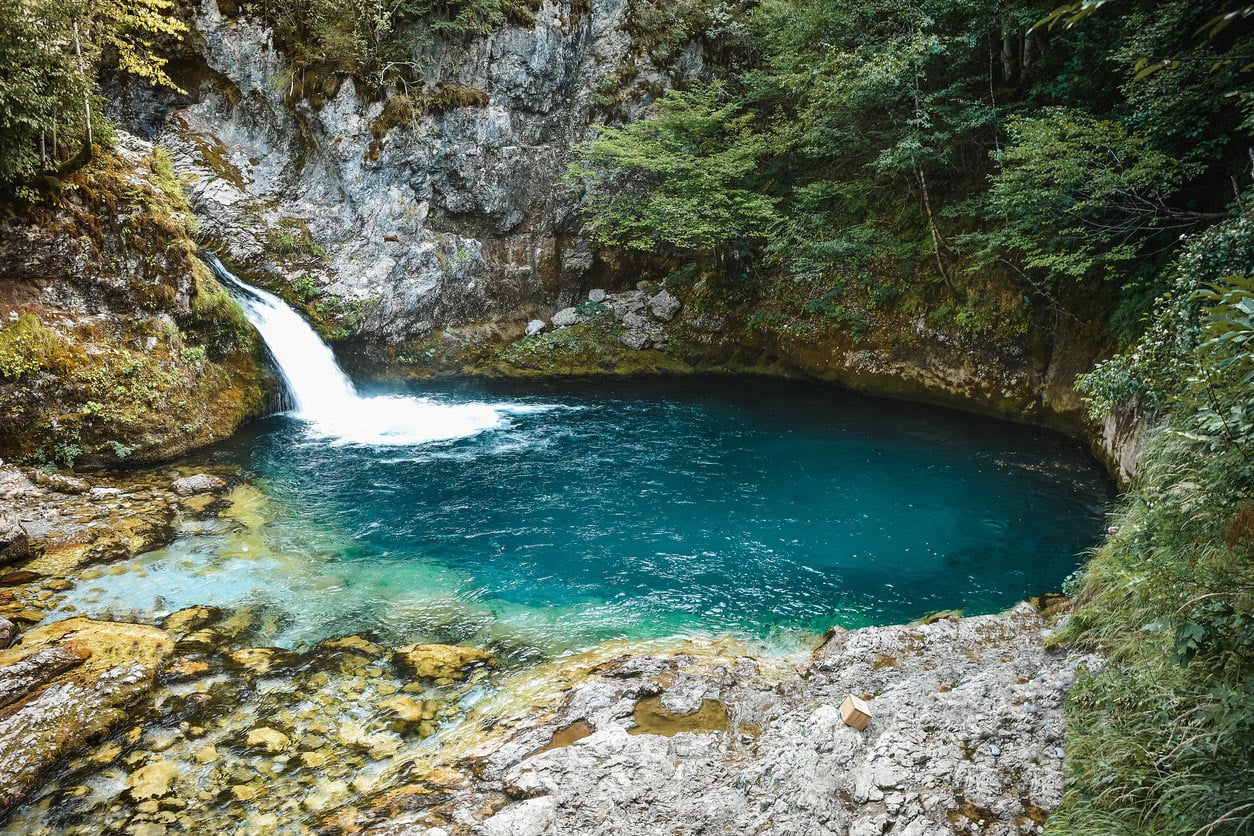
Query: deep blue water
(639,508)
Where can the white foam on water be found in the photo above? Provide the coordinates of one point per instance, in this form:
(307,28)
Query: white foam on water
(326,400)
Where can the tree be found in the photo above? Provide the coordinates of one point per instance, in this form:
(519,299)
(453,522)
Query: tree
(51,53)
(682,179)
(1076,196)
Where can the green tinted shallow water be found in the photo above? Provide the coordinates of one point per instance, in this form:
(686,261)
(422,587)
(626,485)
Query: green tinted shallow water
(636,509)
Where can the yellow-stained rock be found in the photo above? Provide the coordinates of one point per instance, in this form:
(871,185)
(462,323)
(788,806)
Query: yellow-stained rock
(356,644)
(114,666)
(260,660)
(271,741)
(443,663)
(406,709)
(314,759)
(191,619)
(206,754)
(153,780)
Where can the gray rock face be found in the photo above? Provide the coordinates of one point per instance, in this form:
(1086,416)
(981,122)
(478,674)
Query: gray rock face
(455,216)
(15,543)
(664,306)
(966,737)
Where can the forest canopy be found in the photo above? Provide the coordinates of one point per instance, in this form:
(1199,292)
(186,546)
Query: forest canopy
(1061,145)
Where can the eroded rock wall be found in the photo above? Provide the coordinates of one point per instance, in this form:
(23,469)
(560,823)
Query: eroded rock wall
(406,218)
(425,238)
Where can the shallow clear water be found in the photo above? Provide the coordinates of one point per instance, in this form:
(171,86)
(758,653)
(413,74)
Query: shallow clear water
(637,508)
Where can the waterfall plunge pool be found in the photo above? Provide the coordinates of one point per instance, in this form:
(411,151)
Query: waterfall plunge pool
(590,510)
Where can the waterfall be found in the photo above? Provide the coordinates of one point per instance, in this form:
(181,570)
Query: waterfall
(325,399)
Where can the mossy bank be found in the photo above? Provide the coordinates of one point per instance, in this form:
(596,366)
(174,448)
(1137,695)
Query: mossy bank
(116,344)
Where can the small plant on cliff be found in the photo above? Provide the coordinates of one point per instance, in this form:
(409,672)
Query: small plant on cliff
(292,238)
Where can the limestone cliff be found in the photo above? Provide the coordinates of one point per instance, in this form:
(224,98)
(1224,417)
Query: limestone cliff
(424,231)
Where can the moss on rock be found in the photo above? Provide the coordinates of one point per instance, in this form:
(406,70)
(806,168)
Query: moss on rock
(116,343)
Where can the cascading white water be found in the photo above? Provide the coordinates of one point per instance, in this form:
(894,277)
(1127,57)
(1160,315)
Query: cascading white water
(326,399)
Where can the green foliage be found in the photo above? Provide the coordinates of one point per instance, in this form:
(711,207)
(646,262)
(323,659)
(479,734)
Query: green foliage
(1075,196)
(1159,738)
(27,347)
(52,52)
(590,309)
(585,344)
(679,179)
(935,143)
(292,237)
(374,40)
(1154,367)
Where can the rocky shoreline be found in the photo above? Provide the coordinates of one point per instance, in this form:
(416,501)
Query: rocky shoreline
(183,724)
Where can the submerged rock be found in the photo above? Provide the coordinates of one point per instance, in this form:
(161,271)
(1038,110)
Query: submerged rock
(199,483)
(354,644)
(189,620)
(153,780)
(262,660)
(69,683)
(271,741)
(406,709)
(439,661)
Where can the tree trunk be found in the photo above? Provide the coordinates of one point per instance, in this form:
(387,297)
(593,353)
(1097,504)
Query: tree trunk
(83,157)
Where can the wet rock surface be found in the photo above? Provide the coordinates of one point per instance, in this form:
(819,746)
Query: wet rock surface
(966,738)
(196,724)
(66,684)
(53,524)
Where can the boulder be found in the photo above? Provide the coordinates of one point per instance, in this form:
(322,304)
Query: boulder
(634,339)
(199,483)
(439,661)
(19,577)
(72,682)
(57,482)
(664,306)
(596,295)
(633,301)
(566,317)
(535,326)
(15,543)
